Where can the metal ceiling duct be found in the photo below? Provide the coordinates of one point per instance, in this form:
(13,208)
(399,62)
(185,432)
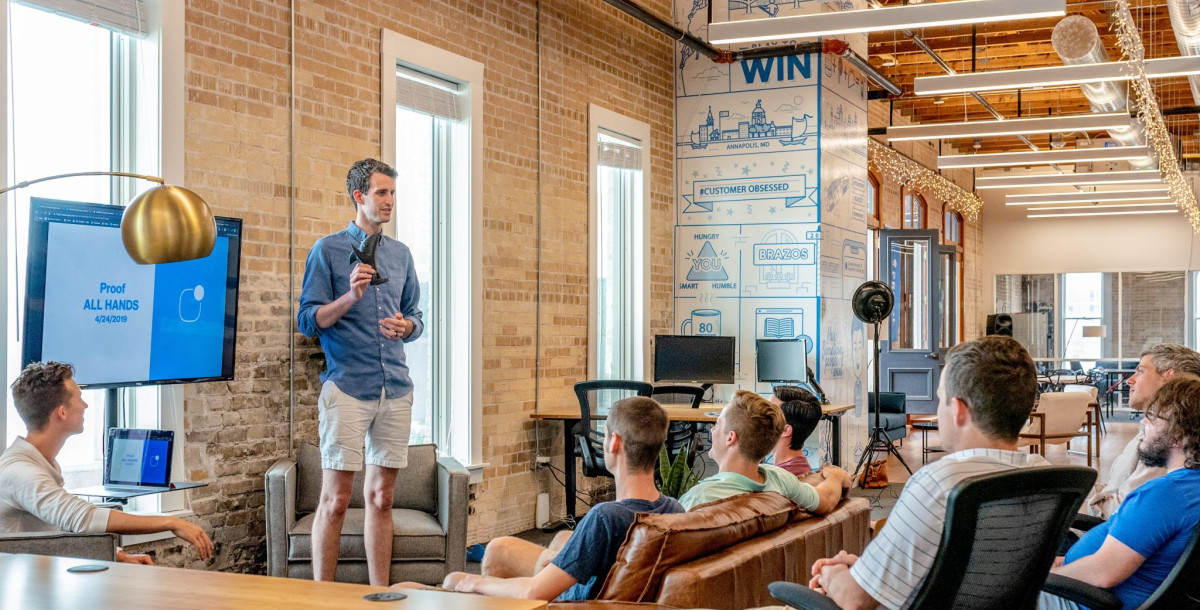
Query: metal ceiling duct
(1185,20)
(1076,41)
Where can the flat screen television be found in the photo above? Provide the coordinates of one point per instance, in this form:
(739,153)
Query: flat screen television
(694,358)
(781,360)
(119,323)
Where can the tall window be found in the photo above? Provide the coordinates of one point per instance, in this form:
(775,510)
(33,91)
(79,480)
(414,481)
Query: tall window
(874,209)
(432,135)
(952,233)
(1082,306)
(914,211)
(617,226)
(85,98)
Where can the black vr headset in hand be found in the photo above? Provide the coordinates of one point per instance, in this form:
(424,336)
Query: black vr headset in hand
(366,255)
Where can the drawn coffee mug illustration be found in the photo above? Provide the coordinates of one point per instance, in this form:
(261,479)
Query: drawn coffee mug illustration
(703,322)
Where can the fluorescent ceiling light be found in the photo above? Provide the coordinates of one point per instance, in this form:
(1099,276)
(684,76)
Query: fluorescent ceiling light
(1054,76)
(1044,157)
(1103,213)
(1148,195)
(1084,179)
(913,16)
(1101,206)
(1010,127)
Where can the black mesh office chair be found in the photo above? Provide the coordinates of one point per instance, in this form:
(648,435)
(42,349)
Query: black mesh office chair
(681,433)
(1001,536)
(1180,590)
(591,440)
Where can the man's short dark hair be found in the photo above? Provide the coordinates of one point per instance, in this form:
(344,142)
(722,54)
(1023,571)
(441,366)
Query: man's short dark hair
(359,176)
(802,414)
(997,380)
(758,424)
(39,390)
(1172,356)
(788,393)
(1178,402)
(642,424)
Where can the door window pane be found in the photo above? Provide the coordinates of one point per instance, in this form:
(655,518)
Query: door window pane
(909,259)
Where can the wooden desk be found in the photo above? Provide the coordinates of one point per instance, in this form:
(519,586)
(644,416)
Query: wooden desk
(707,413)
(34,581)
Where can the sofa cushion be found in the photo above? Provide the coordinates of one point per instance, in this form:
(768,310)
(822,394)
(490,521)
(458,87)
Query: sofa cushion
(416,484)
(657,543)
(738,576)
(417,536)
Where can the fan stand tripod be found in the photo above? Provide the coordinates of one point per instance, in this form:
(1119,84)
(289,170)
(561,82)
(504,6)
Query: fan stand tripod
(872,302)
(879,440)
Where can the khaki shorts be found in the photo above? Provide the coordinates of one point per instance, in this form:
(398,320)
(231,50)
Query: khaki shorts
(346,422)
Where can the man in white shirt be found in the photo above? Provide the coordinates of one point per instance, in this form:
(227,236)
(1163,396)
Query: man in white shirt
(32,498)
(987,391)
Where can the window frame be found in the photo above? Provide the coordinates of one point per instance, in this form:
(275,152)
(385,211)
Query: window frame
(916,198)
(875,219)
(462,359)
(602,119)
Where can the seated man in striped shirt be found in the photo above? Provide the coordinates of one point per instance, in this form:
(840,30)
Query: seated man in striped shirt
(987,392)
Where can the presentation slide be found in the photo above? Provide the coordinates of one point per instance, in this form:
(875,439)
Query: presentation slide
(136,460)
(120,322)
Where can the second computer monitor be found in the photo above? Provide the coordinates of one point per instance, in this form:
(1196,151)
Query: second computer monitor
(781,360)
(694,358)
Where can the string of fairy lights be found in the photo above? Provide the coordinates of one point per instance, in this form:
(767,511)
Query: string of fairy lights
(912,175)
(1129,39)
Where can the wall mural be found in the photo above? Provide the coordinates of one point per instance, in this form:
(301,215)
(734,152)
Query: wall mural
(770,236)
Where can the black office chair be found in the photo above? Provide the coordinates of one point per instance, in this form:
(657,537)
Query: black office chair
(1181,589)
(681,433)
(1001,536)
(591,440)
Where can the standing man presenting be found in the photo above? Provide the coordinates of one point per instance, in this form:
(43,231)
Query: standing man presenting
(360,296)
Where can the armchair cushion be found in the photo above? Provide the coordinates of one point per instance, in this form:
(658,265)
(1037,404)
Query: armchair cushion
(418,536)
(61,544)
(657,543)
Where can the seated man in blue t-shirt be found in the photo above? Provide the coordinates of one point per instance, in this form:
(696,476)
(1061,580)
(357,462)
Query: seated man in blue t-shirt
(635,431)
(745,432)
(1134,551)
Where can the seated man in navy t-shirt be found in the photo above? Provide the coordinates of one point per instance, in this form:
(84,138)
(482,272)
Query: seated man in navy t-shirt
(1134,551)
(635,431)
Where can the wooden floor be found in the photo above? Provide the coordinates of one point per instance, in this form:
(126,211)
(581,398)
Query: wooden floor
(1119,429)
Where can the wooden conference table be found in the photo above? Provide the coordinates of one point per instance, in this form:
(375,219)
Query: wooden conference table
(35,581)
(707,413)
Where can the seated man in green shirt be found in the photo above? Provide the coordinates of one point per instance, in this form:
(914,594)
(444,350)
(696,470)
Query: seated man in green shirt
(744,434)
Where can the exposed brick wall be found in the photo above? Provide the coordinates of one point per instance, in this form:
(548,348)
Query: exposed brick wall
(237,156)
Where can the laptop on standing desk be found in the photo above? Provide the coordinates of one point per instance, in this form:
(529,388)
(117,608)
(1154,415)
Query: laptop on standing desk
(136,463)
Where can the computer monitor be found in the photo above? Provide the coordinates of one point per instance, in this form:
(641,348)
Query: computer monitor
(781,360)
(694,358)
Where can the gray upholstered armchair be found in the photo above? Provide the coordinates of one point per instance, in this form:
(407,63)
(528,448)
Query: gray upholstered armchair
(61,544)
(429,515)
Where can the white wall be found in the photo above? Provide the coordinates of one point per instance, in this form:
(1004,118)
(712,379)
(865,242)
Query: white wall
(1015,244)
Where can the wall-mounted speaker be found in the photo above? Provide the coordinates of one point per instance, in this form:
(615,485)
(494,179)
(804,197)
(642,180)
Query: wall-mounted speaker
(1000,324)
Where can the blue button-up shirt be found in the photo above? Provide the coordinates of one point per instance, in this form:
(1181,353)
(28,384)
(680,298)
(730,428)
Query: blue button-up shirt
(360,360)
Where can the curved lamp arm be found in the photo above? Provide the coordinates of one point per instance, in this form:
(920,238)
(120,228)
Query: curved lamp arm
(21,185)
(165,224)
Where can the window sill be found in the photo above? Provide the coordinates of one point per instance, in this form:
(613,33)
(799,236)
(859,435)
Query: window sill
(127,540)
(476,471)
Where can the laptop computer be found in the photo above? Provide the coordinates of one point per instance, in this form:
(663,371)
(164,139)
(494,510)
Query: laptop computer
(136,463)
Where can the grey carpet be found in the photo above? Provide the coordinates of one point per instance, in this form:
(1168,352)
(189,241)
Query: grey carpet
(882,499)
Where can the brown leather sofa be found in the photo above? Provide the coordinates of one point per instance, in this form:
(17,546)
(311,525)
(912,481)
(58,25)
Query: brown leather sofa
(724,554)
